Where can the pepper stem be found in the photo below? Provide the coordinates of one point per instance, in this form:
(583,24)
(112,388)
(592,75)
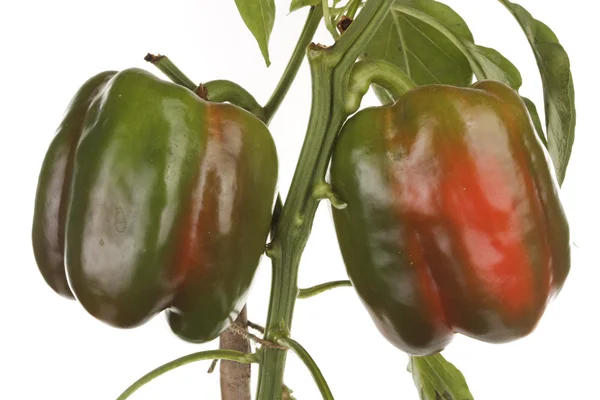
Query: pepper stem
(167,67)
(380,72)
(217,91)
(220,91)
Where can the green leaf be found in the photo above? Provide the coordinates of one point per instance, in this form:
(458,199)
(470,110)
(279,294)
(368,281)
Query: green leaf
(437,379)
(494,65)
(298,4)
(421,50)
(259,17)
(559,93)
(486,63)
(535,118)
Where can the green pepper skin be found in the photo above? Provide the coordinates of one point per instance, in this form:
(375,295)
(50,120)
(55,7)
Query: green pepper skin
(167,204)
(454,223)
(52,193)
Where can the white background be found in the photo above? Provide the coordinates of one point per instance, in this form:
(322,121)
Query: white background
(51,349)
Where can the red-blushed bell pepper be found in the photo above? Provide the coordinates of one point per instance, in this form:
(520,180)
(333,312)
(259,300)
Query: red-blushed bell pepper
(151,198)
(454,223)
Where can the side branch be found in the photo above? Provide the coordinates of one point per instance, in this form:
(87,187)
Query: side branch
(190,358)
(323,287)
(310,364)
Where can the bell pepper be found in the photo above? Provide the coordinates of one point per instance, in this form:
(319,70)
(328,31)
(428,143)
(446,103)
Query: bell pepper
(151,198)
(453,223)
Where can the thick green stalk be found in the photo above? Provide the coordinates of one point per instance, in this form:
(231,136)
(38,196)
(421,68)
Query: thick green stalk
(290,237)
(330,69)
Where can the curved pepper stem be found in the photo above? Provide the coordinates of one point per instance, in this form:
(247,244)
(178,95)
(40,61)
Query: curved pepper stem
(226,91)
(379,72)
(220,91)
(310,364)
(230,355)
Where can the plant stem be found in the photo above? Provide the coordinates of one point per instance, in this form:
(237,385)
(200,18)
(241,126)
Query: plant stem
(220,91)
(224,90)
(380,72)
(340,12)
(292,233)
(235,376)
(310,364)
(323,287)
(310,27)
(170,70)
(328,19)
(330,69)
(353,8)
(190,358)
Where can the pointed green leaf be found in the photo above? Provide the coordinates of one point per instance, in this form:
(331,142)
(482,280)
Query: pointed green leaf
(298,4)
(535,118)
(485,62)
(559,93)
(494,65)
(437,379)
(421,50)
(259,17)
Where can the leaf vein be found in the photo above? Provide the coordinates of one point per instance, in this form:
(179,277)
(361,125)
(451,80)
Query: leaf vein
(432,42)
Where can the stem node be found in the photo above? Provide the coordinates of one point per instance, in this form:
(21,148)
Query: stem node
(324,191)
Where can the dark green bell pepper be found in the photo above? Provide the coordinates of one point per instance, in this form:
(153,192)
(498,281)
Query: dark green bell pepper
(454,222)
(151,198)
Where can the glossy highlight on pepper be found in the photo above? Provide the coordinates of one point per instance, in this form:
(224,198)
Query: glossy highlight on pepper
(454,223)
(153,199)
